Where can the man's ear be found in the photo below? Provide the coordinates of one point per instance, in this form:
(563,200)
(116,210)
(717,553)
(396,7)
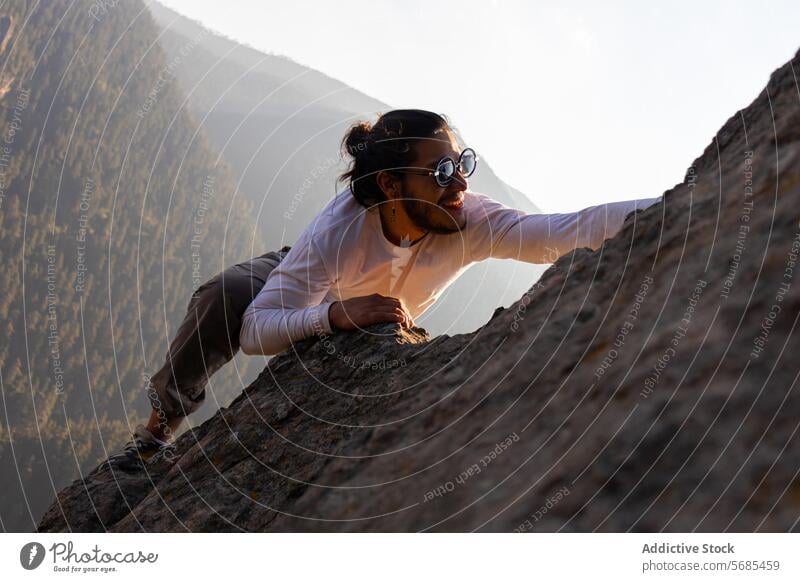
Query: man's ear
(389,185)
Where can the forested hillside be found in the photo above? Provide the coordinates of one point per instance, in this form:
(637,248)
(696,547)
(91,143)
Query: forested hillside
(113,208)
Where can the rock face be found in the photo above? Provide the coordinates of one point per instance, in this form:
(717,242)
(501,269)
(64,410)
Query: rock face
(650,385)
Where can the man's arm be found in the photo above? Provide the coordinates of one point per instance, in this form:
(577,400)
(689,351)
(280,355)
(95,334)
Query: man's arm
(501,232)
(288,308)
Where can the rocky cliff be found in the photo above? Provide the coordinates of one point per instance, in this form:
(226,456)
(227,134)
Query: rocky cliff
(650,385)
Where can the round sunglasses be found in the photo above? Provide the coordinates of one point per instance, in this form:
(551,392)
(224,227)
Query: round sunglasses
(445,169)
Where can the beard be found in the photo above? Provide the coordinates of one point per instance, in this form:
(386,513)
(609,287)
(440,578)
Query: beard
(432,217)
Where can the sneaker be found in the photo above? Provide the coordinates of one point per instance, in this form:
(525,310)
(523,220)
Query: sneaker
(137,451)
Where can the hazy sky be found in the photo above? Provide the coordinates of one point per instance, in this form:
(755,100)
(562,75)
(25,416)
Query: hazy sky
(574,103)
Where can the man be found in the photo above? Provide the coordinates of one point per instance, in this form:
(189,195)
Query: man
(383,250)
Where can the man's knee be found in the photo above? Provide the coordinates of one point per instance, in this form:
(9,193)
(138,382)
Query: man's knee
(228,291)
(225,297)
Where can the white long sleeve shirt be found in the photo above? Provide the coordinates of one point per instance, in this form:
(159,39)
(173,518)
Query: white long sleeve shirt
(343,253)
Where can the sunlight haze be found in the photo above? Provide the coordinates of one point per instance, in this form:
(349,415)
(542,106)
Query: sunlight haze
(572,103)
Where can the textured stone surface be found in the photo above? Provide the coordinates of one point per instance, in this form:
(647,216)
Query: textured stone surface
(621,393)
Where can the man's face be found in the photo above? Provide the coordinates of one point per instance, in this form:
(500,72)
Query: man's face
(430,206)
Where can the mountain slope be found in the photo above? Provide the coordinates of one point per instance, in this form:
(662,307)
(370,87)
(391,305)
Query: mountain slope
(647,386)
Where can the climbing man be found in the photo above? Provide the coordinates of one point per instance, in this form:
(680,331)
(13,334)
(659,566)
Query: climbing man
(383,250)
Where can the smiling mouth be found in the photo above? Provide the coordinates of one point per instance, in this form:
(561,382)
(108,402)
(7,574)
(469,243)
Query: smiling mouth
(454,202)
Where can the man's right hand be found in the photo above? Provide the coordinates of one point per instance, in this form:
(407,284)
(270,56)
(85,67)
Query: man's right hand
(360,312)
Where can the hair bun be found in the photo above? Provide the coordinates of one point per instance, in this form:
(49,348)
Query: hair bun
(388,145)
(357,138)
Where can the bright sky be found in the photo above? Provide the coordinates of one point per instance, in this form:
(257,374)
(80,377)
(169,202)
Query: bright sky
(573,103)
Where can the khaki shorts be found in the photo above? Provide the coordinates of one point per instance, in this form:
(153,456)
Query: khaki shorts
(208,337)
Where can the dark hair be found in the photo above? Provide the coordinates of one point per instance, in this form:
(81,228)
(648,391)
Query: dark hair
(388,143)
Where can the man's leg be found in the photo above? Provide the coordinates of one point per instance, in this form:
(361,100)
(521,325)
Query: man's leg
(163,428)
(206,340)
